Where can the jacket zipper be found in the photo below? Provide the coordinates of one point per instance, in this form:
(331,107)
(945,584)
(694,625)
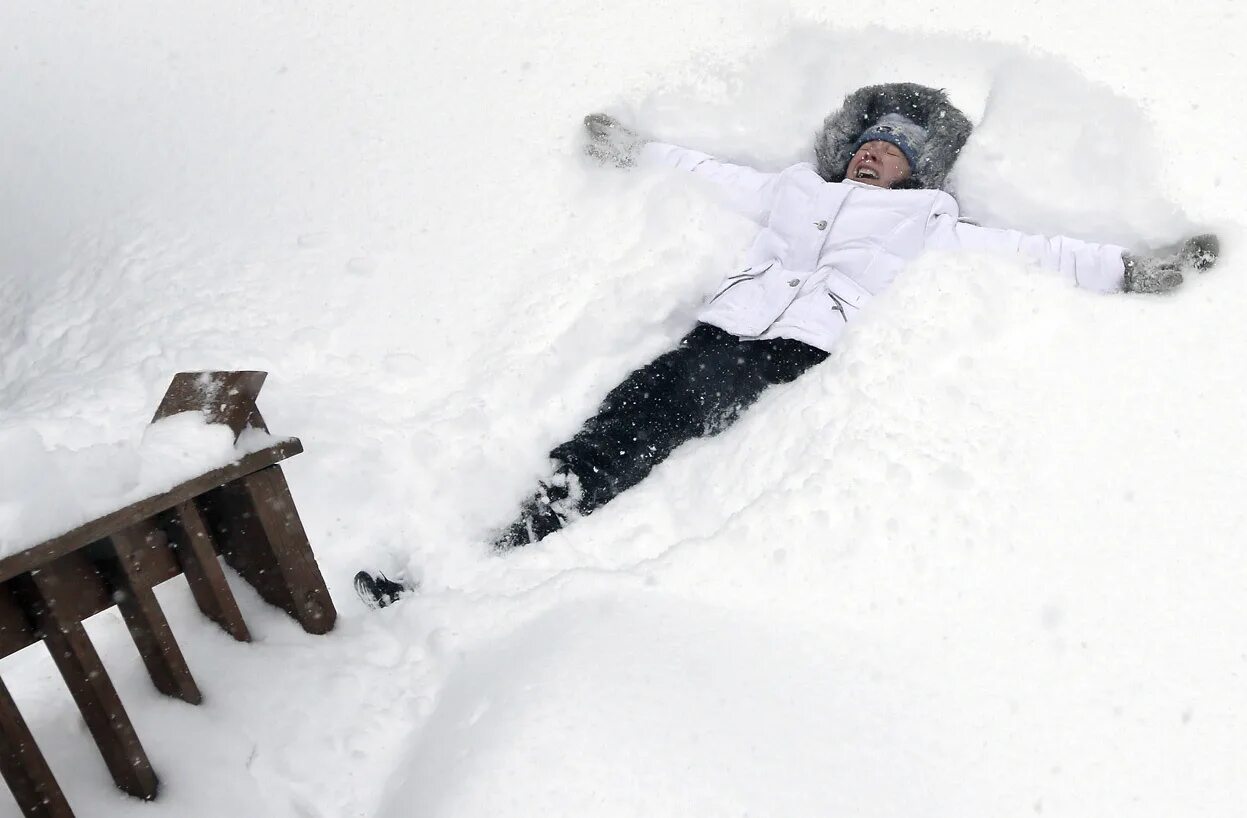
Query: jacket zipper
(740,278)
(840,304)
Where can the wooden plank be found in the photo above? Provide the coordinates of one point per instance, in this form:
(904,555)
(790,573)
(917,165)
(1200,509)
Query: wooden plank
(89,684)
(25,769)
(275,509)
(86,568)
(101,708)
(137,548)
(193,543)
(223,397)
(16,629)
(84,589)
(258,529)
(102,527)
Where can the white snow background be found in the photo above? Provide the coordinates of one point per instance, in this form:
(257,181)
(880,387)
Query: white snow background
(985,561)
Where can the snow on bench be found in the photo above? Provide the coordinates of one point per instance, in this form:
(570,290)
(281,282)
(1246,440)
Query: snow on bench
(240,509)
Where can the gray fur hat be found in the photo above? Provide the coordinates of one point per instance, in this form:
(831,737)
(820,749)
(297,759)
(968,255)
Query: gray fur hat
(947,130)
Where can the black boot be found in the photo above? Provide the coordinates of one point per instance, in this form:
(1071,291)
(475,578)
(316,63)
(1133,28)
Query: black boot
(379,591)
(555,503)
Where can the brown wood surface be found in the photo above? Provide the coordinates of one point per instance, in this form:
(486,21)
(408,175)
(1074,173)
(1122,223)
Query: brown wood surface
(16,629)
(81,585)
(102,527)
(138,547)
(94,596)
(25,769)
(88,682)
(258,530)
(189,533)
(223,397)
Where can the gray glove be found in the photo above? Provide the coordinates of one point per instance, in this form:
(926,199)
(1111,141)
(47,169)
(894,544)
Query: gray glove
(1162,271)
(610,141)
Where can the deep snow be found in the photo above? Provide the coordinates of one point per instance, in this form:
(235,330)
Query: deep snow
(45,492)
(985,561)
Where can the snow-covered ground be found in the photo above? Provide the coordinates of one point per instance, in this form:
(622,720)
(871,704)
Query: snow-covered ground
(985,561)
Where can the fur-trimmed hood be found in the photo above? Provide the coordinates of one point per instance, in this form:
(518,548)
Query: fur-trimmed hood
(947,130)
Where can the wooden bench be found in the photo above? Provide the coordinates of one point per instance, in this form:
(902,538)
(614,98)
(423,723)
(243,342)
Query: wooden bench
(242,511)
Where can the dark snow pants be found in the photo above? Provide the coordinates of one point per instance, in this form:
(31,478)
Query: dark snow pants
(695,390)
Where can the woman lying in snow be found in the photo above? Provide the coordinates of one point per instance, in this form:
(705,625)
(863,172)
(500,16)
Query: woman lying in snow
(833,235)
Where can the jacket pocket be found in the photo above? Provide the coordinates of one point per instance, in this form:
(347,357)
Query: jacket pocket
(739,278)
(846,290)
(845,296)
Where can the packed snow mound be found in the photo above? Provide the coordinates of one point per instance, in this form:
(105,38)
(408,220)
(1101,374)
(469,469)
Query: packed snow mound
(45,492)
(991,545)
(638,703)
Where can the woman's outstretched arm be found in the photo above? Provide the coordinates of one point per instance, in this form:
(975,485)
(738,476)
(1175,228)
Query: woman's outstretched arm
(746,190)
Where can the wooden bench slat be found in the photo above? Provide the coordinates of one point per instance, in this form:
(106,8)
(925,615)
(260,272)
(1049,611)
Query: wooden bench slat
(25,769)
(136,548)
(88,682)
(101,709)
(85,590)
(16,629)
(189,533)
(223,397)
(259,532)
(274,506)
(82,567)
(101,527)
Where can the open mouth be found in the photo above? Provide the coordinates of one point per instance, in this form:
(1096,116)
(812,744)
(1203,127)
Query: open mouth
(866,173)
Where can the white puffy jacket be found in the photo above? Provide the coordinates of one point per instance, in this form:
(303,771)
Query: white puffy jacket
(826,248)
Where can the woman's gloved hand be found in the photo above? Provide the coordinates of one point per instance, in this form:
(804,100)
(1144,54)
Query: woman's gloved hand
(1163,270)
(611,141)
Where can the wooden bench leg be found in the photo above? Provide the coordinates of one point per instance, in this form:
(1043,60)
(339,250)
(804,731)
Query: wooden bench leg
(24,767)
(203,571)
(258,528)
(146,621)
(97,700)
(101,707)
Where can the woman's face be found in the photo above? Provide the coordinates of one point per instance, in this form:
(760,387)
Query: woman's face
(878,163)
